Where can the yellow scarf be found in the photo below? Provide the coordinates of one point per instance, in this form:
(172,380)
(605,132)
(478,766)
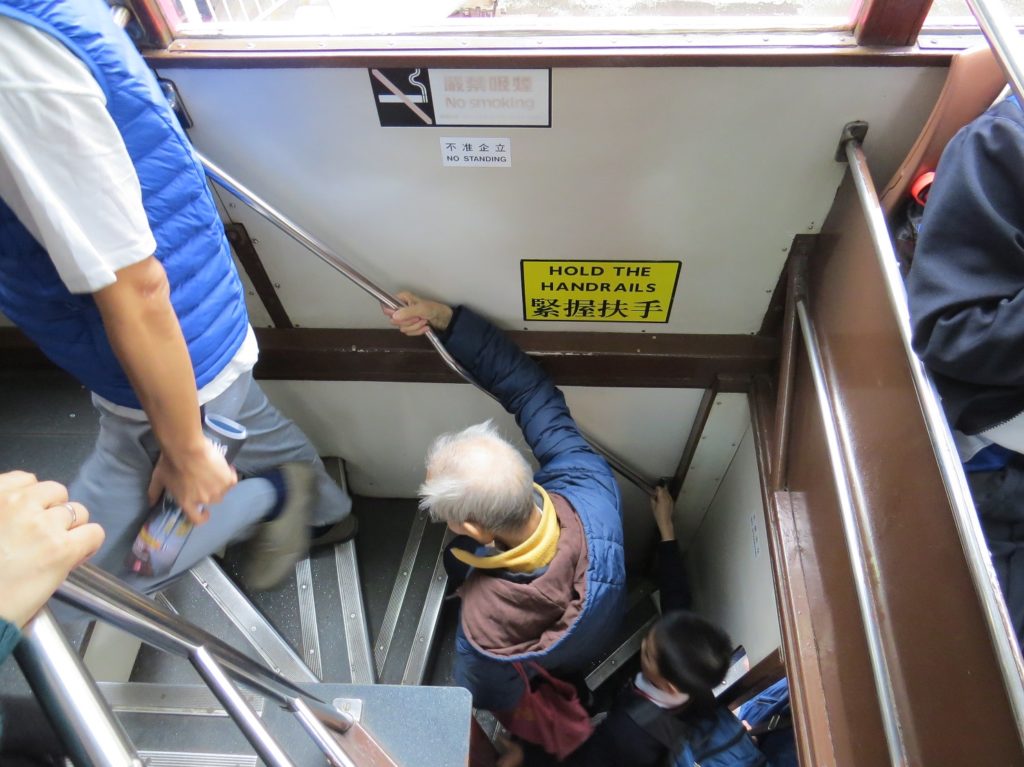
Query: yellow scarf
(535,552)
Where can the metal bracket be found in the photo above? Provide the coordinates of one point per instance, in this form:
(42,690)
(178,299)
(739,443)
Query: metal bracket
(170,91)
(852,131)
(351,706)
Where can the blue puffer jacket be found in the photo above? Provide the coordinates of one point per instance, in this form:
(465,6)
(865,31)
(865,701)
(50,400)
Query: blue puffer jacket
(569,468)
(205,290)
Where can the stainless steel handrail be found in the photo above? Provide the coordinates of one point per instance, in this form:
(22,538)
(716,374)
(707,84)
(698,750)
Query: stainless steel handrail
(332,259)
(972,539)
(106,598)
(88,730)
(854,543)
(266,746)
(1003,38)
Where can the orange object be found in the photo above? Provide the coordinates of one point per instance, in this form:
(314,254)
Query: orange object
(919,189)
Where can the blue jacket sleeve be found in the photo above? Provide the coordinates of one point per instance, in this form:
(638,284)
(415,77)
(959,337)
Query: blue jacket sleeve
(526,391)
(9,638)
(966,283)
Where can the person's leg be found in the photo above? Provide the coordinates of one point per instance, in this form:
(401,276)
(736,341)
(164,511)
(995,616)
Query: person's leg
(234,519)
(274,440)
(999,500)
(112,484)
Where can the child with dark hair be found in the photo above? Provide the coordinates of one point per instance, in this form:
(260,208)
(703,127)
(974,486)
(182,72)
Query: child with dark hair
(668,709)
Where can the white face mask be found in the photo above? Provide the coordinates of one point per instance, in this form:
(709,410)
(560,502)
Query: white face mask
(660,698)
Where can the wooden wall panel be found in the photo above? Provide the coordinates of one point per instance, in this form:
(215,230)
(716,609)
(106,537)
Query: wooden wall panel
(948,692)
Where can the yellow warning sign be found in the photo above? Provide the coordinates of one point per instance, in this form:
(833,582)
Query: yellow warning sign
(599,291)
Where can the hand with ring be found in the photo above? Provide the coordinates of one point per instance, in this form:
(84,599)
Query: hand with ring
(43,536)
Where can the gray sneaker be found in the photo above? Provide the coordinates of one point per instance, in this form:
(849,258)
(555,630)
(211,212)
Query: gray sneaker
(271,554)
(339,532)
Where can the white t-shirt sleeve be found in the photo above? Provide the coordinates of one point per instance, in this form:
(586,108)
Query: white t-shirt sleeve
(64,169)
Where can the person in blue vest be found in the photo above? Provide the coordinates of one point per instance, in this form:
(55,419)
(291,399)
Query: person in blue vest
(540,555)
(114,261)
(965,290)
(666,714)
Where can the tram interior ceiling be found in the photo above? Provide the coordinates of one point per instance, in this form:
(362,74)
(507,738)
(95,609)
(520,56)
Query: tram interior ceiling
(774,397)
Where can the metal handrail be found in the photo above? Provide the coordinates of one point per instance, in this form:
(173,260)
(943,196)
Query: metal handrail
(103,596)
(1001,33)
(83,721)
(972,539)
(854,543)
(266,746)
(332,259)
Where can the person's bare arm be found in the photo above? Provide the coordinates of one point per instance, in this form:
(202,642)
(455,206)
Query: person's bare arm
(663,508)
(146,337)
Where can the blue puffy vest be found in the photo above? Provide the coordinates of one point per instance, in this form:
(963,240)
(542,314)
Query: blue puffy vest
(205,290)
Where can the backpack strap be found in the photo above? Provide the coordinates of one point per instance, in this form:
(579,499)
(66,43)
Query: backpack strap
(657,722)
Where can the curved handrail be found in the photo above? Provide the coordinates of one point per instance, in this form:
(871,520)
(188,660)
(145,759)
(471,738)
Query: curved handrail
(1003,38)
(108,599)
(332,259)
(969,528)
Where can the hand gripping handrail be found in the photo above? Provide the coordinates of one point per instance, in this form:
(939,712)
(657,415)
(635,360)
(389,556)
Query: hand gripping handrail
(336,262)
(1003,38)
(969,528)
(103,596)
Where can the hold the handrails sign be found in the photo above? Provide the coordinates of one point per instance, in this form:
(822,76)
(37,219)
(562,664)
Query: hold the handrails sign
(472,98)
(599,291)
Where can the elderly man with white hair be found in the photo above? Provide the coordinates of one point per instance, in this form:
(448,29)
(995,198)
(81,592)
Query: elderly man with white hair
(543,563)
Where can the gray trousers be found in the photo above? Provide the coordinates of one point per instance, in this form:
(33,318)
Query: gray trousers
(999,500)
(112,482)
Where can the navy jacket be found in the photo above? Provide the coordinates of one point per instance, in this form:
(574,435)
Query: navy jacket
(966,282)
(569,468)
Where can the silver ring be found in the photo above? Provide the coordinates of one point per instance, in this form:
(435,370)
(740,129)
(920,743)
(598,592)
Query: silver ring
(74,514)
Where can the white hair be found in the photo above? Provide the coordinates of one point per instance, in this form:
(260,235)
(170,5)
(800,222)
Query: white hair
(475,475)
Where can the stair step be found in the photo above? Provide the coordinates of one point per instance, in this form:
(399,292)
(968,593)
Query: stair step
(305,627)
(184,724)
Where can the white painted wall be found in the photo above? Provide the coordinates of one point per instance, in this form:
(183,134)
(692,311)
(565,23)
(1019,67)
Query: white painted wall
(729,563)
(716,167)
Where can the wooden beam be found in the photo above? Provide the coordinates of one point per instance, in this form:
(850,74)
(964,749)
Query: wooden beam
(245,249)
(891,22)
(794,593)
(304,53)
(571,358)
(700,420)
